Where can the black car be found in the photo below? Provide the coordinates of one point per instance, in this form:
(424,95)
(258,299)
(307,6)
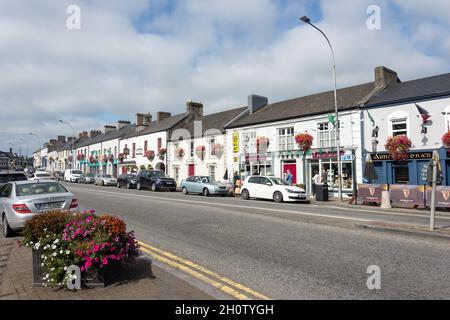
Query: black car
(156,180)
(6,177)
(126,180)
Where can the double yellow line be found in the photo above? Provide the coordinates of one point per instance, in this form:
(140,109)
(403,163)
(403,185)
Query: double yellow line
(228,286)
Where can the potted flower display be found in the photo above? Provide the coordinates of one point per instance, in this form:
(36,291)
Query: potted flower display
(304,141)
(121,157)
(97,244)
(200,152)
(179,152)
(162,153)
(398,147)
(446,139)
(150,155)
(81,157)
(111,158)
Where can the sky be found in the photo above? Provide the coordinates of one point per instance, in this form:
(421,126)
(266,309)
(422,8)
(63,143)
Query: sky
(155,55)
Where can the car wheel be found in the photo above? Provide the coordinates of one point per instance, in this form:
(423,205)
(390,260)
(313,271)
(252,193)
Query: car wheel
(278,197)
(245,194)
(138,186)
(206,192)
(103,183)
(7,231)
(153,186)
(185,191)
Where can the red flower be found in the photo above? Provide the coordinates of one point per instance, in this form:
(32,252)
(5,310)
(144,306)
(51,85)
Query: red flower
(398,147)
(200,152)
(446,139)
(304,141)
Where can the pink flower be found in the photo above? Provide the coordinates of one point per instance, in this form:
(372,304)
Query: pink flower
(82,268)
(105,261)
(96,247)
(112,257)
(103,245)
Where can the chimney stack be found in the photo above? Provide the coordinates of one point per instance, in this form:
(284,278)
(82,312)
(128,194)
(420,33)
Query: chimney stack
(147,119)
(52,142)
(95,133)
(256,102)
(122,123)
(384,77)
(109,129)
(141,121)
(195,109)
(163,115)
(85,134)
(61,139)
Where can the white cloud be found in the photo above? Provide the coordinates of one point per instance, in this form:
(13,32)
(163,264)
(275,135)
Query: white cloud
(217,52)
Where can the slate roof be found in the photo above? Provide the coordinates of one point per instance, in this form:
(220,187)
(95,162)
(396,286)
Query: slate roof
(214,121)
(157,126)
(319,103)
(114,134)
(413,90)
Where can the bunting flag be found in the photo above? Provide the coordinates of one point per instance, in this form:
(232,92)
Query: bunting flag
(423,113)
(371,118)
(331,119)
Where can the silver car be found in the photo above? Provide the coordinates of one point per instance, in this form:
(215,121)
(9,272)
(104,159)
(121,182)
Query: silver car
(203,185)
(105,180)
(21,200)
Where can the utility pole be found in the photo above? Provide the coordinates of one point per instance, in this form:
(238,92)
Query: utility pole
(433,195)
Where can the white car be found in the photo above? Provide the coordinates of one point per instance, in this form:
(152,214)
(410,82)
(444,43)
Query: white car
(71,175)
(276,189)
(41,175)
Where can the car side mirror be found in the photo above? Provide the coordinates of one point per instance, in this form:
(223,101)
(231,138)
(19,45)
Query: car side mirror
(268,184)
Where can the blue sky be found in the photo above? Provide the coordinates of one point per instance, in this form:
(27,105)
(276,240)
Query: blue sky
(154,55)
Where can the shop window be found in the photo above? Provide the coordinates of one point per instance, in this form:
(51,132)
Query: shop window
(249,142)
(286,139)
(176,173)
(401,174)
(212,172)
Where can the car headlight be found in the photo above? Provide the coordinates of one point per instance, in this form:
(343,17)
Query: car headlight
(290,191)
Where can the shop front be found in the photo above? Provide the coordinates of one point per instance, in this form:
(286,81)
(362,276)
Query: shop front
(255,165)
(412,171)
(324,162)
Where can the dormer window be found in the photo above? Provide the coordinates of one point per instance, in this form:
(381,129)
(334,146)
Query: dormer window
(399,127)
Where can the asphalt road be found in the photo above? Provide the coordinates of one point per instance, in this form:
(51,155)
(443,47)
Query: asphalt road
(284,251)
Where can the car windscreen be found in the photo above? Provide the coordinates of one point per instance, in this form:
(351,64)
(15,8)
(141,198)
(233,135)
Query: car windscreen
(31,189)
(90,175)
(280,182)
(131,176)
(12,177)
(76,172)
(108,176)
(159,174)
(42,175)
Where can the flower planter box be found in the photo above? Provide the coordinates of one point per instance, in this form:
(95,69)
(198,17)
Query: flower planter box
(101,277)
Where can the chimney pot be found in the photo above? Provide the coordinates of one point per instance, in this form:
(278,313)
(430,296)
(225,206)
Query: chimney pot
(163,115)
(122,123)
(194,109)
(109,129)
(147,119)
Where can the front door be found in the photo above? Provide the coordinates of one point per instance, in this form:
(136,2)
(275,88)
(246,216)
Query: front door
(191,171)
(292,167)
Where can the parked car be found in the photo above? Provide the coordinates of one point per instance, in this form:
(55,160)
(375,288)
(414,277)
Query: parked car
(267,187)
(71,175)
(87,178)
(156,180)
(126,180)
(6,177)
(203,185)
(40,175)
(105,180)
(21,200)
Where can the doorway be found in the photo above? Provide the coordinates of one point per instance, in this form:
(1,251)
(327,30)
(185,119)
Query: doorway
(292,167)
(191,170)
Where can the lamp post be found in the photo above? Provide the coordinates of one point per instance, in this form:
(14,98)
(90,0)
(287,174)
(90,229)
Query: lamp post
(306,20)
(71,145)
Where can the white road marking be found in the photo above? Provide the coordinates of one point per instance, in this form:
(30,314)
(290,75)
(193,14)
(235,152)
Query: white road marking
(233,206)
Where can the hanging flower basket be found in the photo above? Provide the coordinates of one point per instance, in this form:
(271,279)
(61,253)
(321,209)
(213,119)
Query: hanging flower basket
(121,157)
(218,150)
(81,157)
(200,152)
(105,158)
(111,158)
(179,152)
(70,159)
(162,153)
(398,147)
(150,155)
(446,139)
(304,141)
(51,159)
(93,159)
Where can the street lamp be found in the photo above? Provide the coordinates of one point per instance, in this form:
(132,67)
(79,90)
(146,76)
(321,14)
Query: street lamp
(306,20)
(71,145)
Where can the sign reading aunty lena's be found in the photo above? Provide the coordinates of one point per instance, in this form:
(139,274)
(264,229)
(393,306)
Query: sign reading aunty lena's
(411,156)
(371,192)
(408,195)
(442,196)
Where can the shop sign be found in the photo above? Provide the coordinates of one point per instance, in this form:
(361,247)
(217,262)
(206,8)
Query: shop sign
(139,152)
(408,195)
(442,196)
(371,192)
(325,155)
(235,142)
(411,156)
(348,157)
